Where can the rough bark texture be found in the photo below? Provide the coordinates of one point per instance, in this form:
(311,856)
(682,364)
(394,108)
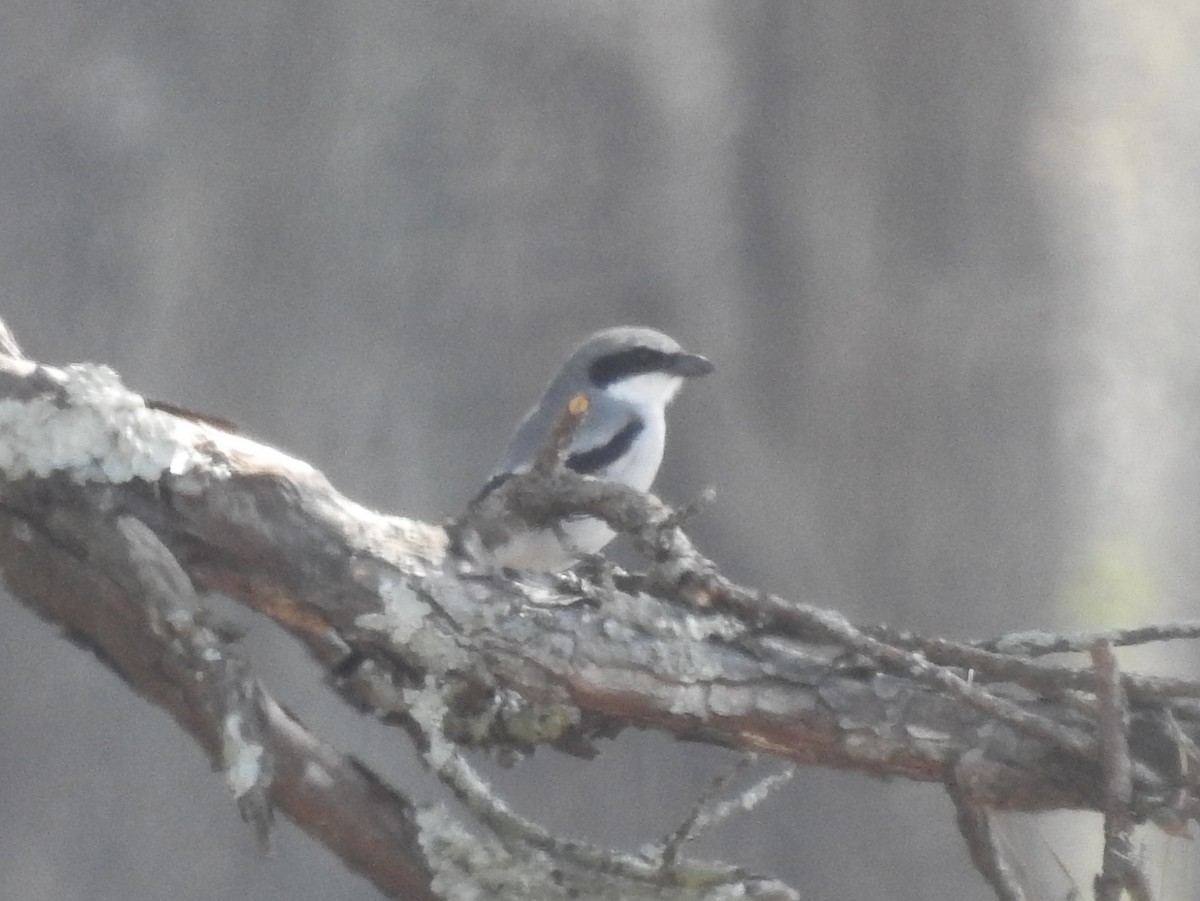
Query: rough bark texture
(115,518)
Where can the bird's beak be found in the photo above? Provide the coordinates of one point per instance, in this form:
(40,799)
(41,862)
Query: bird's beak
(689,366)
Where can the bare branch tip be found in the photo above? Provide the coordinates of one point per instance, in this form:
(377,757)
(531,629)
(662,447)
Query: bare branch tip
(8,342)
(551,455)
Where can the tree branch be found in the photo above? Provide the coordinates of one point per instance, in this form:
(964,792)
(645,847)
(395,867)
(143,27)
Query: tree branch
(115,517)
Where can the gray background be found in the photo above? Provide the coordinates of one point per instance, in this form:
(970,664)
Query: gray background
(944,252)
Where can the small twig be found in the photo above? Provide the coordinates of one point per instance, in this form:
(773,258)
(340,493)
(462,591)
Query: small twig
(1120,870)
(975,825)
(8,343)
(743,802)
(707,812)
(519,834)
(503,506)
(1010,666)
(184,413)
(837,628)
(553,451)
(686,512)
(1189,752)
(1038,644)
(1073,892)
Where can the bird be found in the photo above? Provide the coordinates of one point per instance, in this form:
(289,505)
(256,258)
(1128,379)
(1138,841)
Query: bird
(628,375)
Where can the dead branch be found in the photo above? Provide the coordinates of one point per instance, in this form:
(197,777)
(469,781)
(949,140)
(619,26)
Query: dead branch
(116,517)
(1120,870)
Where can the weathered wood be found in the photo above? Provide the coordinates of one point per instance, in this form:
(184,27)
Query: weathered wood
(114,515)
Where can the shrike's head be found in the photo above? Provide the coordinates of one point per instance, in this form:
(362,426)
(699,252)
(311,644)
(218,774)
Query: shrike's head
(639,365)
(629,376)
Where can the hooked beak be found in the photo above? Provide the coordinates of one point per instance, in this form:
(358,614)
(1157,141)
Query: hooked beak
(690,366)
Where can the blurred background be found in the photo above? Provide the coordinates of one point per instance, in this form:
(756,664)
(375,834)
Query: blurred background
(944,252)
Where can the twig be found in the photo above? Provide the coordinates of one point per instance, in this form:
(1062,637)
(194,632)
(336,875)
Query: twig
(1073,892)
(686,512)
(553,452)
(503,507)
(1038,644)
(975,825)
(837,628)
(8,343)
(1189,752)
(707,812)
(1010,666)
(519,834)
(1119,871)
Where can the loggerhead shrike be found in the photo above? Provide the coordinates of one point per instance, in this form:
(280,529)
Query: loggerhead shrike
(628,376)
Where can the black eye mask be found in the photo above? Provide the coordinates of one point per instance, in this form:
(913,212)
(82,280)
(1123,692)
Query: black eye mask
(625,363)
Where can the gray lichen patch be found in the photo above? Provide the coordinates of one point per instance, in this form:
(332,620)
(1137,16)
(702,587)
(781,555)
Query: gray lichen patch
(406,621)
(97,431)
(403,611)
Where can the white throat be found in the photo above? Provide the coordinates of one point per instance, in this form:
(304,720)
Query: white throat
(649,389)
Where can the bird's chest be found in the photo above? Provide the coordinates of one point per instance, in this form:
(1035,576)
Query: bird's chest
(638,466)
